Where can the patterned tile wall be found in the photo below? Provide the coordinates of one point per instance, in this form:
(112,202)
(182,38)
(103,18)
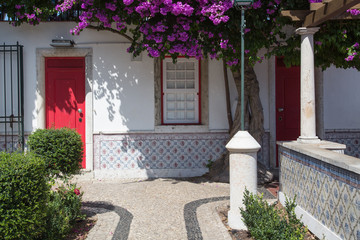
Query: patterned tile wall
(350,138)
(157,151)
(11,142)
(329,193)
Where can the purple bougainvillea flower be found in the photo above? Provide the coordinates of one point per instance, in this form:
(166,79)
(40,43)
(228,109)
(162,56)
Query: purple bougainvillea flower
(30,16)
(128,2)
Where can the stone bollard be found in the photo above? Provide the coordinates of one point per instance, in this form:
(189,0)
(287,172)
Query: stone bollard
(243,150)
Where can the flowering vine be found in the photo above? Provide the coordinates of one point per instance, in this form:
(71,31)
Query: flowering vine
(193,28)
(352,52)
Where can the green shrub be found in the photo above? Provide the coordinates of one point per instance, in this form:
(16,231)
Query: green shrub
(63,210)
(24,191)
(264,221)
(62,149)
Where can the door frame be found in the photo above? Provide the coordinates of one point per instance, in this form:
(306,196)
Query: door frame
(319,107)
(40,107)
(272,111)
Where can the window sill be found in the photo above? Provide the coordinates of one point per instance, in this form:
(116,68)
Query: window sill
(181,129)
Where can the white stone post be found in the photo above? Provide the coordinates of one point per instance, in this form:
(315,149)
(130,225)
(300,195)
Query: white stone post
(243,150)
(307,101)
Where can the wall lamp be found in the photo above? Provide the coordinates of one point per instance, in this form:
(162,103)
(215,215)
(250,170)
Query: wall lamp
(62,43)
(242,2)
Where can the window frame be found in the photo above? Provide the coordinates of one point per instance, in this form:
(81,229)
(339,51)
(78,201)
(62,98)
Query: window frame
(198,118)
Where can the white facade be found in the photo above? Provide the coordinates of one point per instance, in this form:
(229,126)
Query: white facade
(117,81)
(341,98)
(121,104)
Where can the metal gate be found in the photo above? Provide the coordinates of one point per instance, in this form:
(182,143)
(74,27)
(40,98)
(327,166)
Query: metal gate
(11,98)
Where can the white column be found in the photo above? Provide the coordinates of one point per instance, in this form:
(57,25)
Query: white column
(243,150)
(307,101)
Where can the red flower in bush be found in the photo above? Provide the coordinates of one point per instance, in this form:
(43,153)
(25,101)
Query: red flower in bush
(77,191)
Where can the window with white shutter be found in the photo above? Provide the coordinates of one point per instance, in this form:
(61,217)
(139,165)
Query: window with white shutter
(180,91)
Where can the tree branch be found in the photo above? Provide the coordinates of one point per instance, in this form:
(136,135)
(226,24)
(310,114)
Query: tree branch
(100,28)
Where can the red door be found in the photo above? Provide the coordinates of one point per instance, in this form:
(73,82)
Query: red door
(65,94)
(287,102)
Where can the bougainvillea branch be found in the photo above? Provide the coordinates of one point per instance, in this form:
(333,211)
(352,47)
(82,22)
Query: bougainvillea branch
(197,28)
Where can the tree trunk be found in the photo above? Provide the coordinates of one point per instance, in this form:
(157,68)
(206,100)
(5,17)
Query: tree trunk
(254,121)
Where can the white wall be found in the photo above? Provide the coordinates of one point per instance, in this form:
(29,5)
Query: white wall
(123,90)
(217,100)
(341,98)
(262,74)
(129,92)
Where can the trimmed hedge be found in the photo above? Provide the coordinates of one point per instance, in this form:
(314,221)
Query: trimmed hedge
(265,222)
(62,149)
(24,193)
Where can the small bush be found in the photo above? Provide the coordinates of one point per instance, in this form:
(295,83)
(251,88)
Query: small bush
(24,192)
(265,222)
(62,149)
(63,210)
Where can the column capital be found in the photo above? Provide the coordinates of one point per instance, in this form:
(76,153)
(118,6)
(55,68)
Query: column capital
(307,31)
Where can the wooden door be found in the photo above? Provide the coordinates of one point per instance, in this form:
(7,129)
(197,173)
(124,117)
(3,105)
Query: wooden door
(287,102)
(65,94)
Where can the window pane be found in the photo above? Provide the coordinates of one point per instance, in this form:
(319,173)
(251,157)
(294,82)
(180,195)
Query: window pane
(170,66)
(190,115)
(190,75)
(180,106)
(170,85)
(170,97)
(180,66)
(170,106)
(190,97)
(171,115)
(180,75)
(180,97)
(181,100)
(181,115)
(190,106)
(180,84)
(190,84)
(190,66)
(170,75)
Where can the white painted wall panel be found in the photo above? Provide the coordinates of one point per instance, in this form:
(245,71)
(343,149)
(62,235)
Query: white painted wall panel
(341,98)
(217,101)
(123,90)
(261,71)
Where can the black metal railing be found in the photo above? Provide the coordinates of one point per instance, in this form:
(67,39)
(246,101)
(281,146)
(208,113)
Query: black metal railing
(11,98)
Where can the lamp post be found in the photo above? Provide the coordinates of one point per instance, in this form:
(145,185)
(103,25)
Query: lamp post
(243,150)
(242,4)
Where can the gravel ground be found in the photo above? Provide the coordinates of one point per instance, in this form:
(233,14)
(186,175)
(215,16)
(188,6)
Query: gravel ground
(156,209)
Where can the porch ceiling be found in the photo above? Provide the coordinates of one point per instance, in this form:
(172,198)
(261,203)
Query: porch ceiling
(329,9)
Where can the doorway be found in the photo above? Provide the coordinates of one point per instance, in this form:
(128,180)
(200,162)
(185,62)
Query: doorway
(287,102)
(65,94)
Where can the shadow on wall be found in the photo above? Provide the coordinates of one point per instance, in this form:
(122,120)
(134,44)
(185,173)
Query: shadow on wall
(119,87)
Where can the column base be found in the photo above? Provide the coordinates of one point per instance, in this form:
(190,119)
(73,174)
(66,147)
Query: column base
(235,221)
(314,139)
